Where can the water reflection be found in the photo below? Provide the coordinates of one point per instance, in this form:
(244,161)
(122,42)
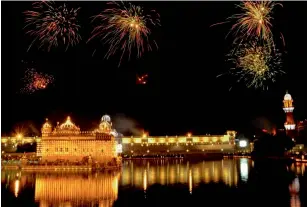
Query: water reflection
(142,174)
(244,169)
(172,182)
(294,189)
(76,190)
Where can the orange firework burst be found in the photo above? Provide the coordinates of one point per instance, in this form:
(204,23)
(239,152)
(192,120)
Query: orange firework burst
(256,64)
(50,25)
(255,20)
(124,28)
(141,79)
(35,81)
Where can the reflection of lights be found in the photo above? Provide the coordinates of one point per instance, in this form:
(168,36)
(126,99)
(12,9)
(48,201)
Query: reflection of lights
(16,189)
(119,148)
(242,143)
(294,188)
(244,169)
(190,181)
(145,180)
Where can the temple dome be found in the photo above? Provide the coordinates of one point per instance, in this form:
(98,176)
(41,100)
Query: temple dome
(105,118)
(287,97)
(68,127)
(47,128)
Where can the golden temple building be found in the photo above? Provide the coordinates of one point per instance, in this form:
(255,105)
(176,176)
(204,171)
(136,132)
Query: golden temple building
(66,142)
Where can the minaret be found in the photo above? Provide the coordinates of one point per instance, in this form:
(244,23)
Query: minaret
(288,108)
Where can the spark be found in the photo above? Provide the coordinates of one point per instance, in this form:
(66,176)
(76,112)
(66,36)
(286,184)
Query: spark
(124,28)
(35,81)
(254,20)
(255,64)
(141,79)
(51,25)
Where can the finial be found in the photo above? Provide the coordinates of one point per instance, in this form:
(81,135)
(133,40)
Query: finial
(287,91)
(46,119)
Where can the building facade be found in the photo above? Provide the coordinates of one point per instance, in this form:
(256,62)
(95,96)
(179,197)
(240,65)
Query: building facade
(66,142)
(148,145)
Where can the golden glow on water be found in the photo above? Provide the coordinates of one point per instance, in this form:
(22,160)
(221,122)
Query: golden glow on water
(58,189)
(190,181)
(16,188)
(174,171)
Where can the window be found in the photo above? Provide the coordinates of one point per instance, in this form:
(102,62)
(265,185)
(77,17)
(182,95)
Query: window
(46,150)
(60,149)
(66,149)
(56,149)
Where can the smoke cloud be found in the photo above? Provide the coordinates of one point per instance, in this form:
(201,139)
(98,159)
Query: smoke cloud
(126,126)
(264,123)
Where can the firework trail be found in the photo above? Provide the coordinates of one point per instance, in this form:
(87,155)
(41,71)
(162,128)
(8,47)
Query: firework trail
(255,64)
(35,81)
(254,21)
(51,25)
(124,28)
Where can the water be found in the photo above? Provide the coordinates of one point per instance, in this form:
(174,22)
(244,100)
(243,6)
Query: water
(229,182)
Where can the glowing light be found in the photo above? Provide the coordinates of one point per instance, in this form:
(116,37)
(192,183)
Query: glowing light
(19,136)
(189,134)
(141,79)
(145,180)
(119,148)
(51,25)
(125,27)
(242,143)
(244,169)
(16,188)
(190,181)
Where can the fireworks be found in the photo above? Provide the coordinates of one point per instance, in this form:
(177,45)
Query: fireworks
(35,81)
(124,28)
(51,25)
(256,64)
(141,79)
(255,20)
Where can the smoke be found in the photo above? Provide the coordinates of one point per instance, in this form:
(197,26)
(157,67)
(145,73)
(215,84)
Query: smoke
(126,126)
(264,124)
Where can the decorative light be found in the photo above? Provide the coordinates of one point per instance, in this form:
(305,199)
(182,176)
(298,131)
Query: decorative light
(242,143)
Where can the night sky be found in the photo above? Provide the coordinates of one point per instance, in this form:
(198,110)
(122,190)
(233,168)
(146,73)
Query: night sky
(182,94)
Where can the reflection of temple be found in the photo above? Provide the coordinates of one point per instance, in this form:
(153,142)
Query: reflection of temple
(67,142)
(176,171)
(76,189)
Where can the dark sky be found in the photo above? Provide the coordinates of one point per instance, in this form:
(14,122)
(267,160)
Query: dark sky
(183,93)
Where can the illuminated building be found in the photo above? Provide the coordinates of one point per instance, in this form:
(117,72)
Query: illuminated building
(68,143)
(288,109)
(148,145)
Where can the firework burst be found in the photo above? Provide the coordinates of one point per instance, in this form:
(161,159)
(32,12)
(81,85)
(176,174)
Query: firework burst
(254,20)
(35,81)
(255,64)
(51,25)
(124,28)
(141,79)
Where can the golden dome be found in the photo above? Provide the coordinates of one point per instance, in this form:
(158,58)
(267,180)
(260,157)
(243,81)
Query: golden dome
(68,127)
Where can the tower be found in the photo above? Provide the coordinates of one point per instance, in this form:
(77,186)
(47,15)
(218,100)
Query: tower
(288,109)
